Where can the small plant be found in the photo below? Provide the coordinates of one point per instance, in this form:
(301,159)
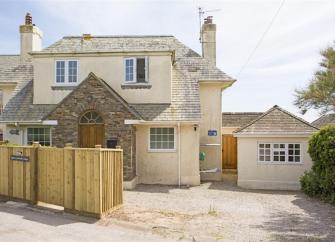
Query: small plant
(212,210)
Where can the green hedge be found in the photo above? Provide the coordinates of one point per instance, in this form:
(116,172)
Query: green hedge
(320,181)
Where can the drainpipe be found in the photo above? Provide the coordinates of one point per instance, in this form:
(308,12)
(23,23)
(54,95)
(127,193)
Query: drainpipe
(179,155)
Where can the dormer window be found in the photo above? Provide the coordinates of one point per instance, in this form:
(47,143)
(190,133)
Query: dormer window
(66,72)
(136,70)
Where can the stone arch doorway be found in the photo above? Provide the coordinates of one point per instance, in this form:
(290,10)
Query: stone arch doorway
(91,130)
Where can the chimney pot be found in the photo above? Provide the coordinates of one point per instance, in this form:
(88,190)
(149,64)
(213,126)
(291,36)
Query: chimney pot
(29,19)
(209,20)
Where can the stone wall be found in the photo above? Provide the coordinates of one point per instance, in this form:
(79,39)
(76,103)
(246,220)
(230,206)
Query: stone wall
(93,94)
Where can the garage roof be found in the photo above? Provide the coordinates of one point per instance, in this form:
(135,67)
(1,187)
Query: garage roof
(277,121)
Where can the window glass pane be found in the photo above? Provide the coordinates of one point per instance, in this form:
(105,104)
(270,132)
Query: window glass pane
(60,71)
(140,70)
(129,69)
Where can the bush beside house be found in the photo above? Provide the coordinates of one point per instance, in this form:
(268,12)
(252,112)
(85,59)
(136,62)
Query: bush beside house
(320,181)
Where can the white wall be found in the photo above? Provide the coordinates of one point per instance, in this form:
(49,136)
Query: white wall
(211,119)
(111,70)
(162,167)
(256,175)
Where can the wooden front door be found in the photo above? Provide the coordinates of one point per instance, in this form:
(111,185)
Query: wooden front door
(91,135)
(91,130)
(229,152)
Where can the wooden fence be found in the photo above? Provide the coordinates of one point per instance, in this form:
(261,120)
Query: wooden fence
(86,181)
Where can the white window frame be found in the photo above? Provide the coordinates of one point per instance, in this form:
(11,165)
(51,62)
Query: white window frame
(163,150)
(44,127)
(286,162)
(134,81)
(66,80)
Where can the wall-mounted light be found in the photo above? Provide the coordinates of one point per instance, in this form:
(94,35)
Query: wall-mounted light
(195,126)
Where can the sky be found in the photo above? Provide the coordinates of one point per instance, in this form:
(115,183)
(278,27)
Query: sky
(268,68)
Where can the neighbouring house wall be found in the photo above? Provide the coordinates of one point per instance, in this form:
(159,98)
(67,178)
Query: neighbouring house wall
(255,175)
(92,95)
(228,130)
(13,138)
(211,119)
(162,167)
(111,70)
(7,92)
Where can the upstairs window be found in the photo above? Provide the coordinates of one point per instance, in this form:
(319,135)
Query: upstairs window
(66,72)
(136,70)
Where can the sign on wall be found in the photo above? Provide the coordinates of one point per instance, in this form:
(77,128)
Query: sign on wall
(212,132)
(14,131)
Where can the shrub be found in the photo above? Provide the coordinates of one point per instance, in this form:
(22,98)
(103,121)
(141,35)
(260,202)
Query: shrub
(320,181)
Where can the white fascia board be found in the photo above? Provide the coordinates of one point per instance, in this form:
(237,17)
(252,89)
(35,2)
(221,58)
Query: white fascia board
(143,122)
(271,135)
(50,122)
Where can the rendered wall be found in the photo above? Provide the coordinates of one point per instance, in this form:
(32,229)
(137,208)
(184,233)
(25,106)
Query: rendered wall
(162,167)
(211,119)
(111,70)
(256,175)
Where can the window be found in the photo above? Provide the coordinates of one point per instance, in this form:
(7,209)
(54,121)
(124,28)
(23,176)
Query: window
(66,72)
(136,70)
(91,117)
(41,135)
(279,152)
(60,71)
(162,139)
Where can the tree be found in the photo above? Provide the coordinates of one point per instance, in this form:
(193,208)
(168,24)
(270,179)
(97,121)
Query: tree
(320,92)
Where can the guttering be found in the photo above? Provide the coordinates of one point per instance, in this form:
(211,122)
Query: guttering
(102,53)
(273,135)
(37,122)
(143,122)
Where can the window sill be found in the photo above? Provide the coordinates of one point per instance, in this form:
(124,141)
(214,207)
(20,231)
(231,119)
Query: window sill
(280,163)
(162,151)
(136,86)
(63,87)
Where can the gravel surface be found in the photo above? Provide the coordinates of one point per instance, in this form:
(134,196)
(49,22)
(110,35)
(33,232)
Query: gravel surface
(210,212)
(224,212)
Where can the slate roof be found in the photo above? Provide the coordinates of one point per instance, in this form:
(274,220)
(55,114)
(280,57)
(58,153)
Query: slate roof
(188,69)
(21,107)
(13,70)
(324,120)
(238,119)
(277,121)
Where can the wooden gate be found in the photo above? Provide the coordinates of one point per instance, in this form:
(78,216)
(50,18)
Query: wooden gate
(51,176)
(17,178)
(229,152)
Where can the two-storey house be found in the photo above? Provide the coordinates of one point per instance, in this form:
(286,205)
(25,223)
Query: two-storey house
(152,95)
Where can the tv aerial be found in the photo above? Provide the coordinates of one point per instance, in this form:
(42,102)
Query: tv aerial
(202,12)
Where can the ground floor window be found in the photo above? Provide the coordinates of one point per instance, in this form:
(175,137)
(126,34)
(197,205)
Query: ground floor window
(41,135)
(279,152)
(162,139)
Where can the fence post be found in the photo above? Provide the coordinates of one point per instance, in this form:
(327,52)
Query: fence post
(36,146)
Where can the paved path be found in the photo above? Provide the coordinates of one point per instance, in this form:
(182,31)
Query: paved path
(210,212)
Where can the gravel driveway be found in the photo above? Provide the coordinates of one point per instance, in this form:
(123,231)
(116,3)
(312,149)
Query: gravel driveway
(210,212)
(218,212)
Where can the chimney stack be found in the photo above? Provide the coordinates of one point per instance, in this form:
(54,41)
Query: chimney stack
(208,40)
(31,38)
